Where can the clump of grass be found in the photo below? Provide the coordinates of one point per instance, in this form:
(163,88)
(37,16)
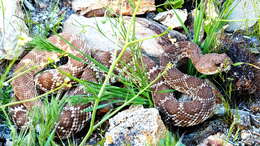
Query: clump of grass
(5,89)
(52,23)
(213,28)
(168,4)
(170,140)
(41,127)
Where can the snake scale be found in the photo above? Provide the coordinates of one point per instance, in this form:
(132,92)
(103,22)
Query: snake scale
(73,119)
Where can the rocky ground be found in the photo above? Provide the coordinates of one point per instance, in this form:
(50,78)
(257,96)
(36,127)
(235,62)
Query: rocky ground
(235,124)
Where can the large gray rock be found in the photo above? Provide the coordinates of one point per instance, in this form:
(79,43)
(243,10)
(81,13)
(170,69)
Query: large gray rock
(136,126)
(106,33)
(244,15)
(99,7)
(13,31)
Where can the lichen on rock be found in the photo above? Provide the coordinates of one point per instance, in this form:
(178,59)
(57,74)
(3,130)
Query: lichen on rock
(136,126)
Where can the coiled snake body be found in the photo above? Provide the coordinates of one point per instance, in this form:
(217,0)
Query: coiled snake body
(73,119)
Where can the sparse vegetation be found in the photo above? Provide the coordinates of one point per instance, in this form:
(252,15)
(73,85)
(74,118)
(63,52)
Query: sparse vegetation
(135,90)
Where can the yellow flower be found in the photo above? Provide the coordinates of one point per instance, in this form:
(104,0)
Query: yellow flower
(23,39)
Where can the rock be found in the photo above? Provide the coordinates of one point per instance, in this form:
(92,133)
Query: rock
(136,126)
(12,29)
(254,41)
(254,50)
(169,18)
(197,134)
(255,107)
(91,8)
(245,14)
(5,134)
(47,16)
(243,76)
(245,135)
(250,137)
(104,33)
(256,104)
(215,140)
(242,118)
(255,119)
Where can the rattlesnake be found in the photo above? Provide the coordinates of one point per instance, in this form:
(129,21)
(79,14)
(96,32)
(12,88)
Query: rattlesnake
(73,119)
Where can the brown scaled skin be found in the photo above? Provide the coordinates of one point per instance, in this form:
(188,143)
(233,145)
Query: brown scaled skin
(72,118)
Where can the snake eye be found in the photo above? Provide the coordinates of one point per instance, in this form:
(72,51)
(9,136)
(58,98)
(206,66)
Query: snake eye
(218,64)
(63,60)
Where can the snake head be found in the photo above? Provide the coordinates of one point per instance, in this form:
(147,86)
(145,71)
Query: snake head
(213,63)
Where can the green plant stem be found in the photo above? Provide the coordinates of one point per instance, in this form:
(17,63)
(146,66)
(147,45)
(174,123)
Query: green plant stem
(113,65)
(198,22)
(241,63)
(35,98)
(130,100)
(21,73)
(126,103)
(97,100)
(91,129)
(4,75)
